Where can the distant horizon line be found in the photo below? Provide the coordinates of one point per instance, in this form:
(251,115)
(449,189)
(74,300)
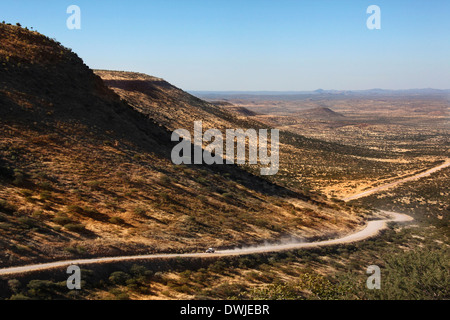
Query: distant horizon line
(321,91)
(285,92)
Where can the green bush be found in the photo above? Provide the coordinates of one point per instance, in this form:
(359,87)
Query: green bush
(416,275)
(45,185)
(19,296)
(74,227)
(74,209)
(19,178)
(119,278)
(276,292)
(14,285)
(164,180)
(218,266)
(27,222)
(94,185)
(140,211)
(62,220)
(123,296)
(228,195)
(140,271)
(116,220)
(42,289)
(26,193)
(6,207)
(45,195)
(76,250)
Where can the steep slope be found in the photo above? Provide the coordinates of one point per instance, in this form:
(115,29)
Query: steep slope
(84,174)
(167,104)
(241,111)
(305,163)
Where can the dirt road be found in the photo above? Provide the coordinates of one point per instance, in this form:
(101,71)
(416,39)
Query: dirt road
(371,229)
(397,182)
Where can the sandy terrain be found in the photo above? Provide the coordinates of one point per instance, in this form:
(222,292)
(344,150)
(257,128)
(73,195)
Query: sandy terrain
(395,183)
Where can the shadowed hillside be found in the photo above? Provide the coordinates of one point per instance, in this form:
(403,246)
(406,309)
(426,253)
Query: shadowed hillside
(84,173)
(169,105)
(305,163)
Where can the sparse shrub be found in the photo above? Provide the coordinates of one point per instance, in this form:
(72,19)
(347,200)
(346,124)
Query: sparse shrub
(90,212)
(94,185)
(45,195)
(6,207)
(186,274)
(218,266)
(116,220)
(26,193)
(27,222)
(123,296)
(22,248)
(132,285)
(201,180)
(261,223)
(42,289)
(76,250)
(40,175)
(139,182)
(165,180)
(75,227)
(276,292)
(74,209)
(19,296)
(19,178)
(158,276)
(119,277)
(246,262)
(140,271)
(164,196)
(14,285)
(62,220)
(418,275)
(183,289)
(227,290)
(121,174)
(45,185)
(140,211)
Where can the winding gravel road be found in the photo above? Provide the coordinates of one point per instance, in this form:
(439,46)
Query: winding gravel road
(372,229)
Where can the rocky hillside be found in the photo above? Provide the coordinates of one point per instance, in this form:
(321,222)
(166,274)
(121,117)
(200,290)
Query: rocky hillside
(305,163)
(169,105)
(85,173)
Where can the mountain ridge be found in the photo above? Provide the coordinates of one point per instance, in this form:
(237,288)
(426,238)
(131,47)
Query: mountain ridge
(84,173)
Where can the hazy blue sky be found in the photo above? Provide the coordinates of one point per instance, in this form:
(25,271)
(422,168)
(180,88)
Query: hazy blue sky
(255,45)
